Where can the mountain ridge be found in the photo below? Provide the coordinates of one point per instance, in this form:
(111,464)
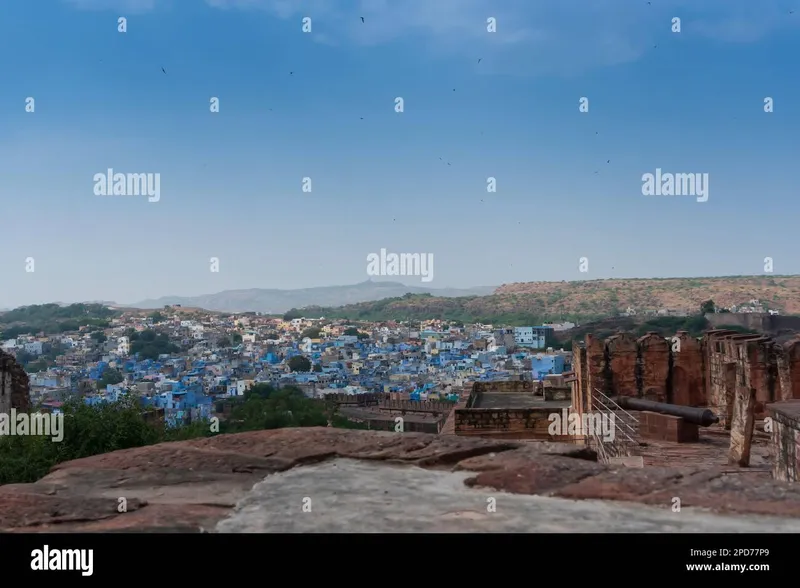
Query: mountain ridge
(277,301)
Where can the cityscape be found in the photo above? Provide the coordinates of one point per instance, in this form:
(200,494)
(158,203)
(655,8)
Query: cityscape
(302,269)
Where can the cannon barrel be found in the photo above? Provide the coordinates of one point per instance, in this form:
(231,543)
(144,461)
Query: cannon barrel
(697,416)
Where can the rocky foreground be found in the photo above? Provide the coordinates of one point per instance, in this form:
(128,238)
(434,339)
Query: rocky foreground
(331,480)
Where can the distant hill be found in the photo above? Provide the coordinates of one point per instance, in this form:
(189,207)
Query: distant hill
(280,301)
(536,302)
(53,318)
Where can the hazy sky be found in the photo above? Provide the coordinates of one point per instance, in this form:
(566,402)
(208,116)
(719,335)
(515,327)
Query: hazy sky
(231,182)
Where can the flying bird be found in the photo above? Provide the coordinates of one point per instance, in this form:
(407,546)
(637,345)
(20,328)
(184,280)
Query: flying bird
(165,71)
(362,19)
(480,59)
(608,161)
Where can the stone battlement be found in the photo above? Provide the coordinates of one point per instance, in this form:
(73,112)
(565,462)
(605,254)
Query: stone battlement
(689,371)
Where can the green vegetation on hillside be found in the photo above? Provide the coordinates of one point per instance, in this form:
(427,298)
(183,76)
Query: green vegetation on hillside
(92,430)
(534,303)
(419,307)
(53,319)
(149,344)
(665,326)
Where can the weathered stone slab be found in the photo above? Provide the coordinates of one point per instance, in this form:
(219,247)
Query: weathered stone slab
(192,485)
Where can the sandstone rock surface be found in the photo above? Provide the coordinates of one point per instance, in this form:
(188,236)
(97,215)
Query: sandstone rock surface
(217,484)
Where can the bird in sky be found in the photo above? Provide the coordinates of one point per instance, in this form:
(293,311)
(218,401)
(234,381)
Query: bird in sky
(362,19)
(165,71)
(291,73)
(480,59)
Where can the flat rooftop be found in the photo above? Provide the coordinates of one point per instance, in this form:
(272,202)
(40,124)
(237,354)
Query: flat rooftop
(519,400)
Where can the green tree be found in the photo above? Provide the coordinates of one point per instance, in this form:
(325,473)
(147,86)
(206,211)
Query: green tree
(36,366)
(300,363)
(110,376)
(92,430)
(311,333)
(150,344)
(156,317)
(285,407)
(707,307)
(354,332)
(260,390)
(317,367)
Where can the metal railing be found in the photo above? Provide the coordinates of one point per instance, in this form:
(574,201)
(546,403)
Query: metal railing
(626,430)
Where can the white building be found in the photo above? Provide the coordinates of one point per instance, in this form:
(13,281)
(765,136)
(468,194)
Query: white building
(34,348)
(523,335)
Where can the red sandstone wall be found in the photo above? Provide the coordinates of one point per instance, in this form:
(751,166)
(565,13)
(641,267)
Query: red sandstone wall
(502,423)
(426,406)
(595,362)
(653,367)
(623,356)
(580,384)
(688,371)
(702,373)
(790,379)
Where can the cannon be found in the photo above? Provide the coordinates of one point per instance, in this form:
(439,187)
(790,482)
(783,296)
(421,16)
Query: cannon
(698,416)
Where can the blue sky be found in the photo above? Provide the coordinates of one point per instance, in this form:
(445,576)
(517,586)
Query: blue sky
(231,182)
